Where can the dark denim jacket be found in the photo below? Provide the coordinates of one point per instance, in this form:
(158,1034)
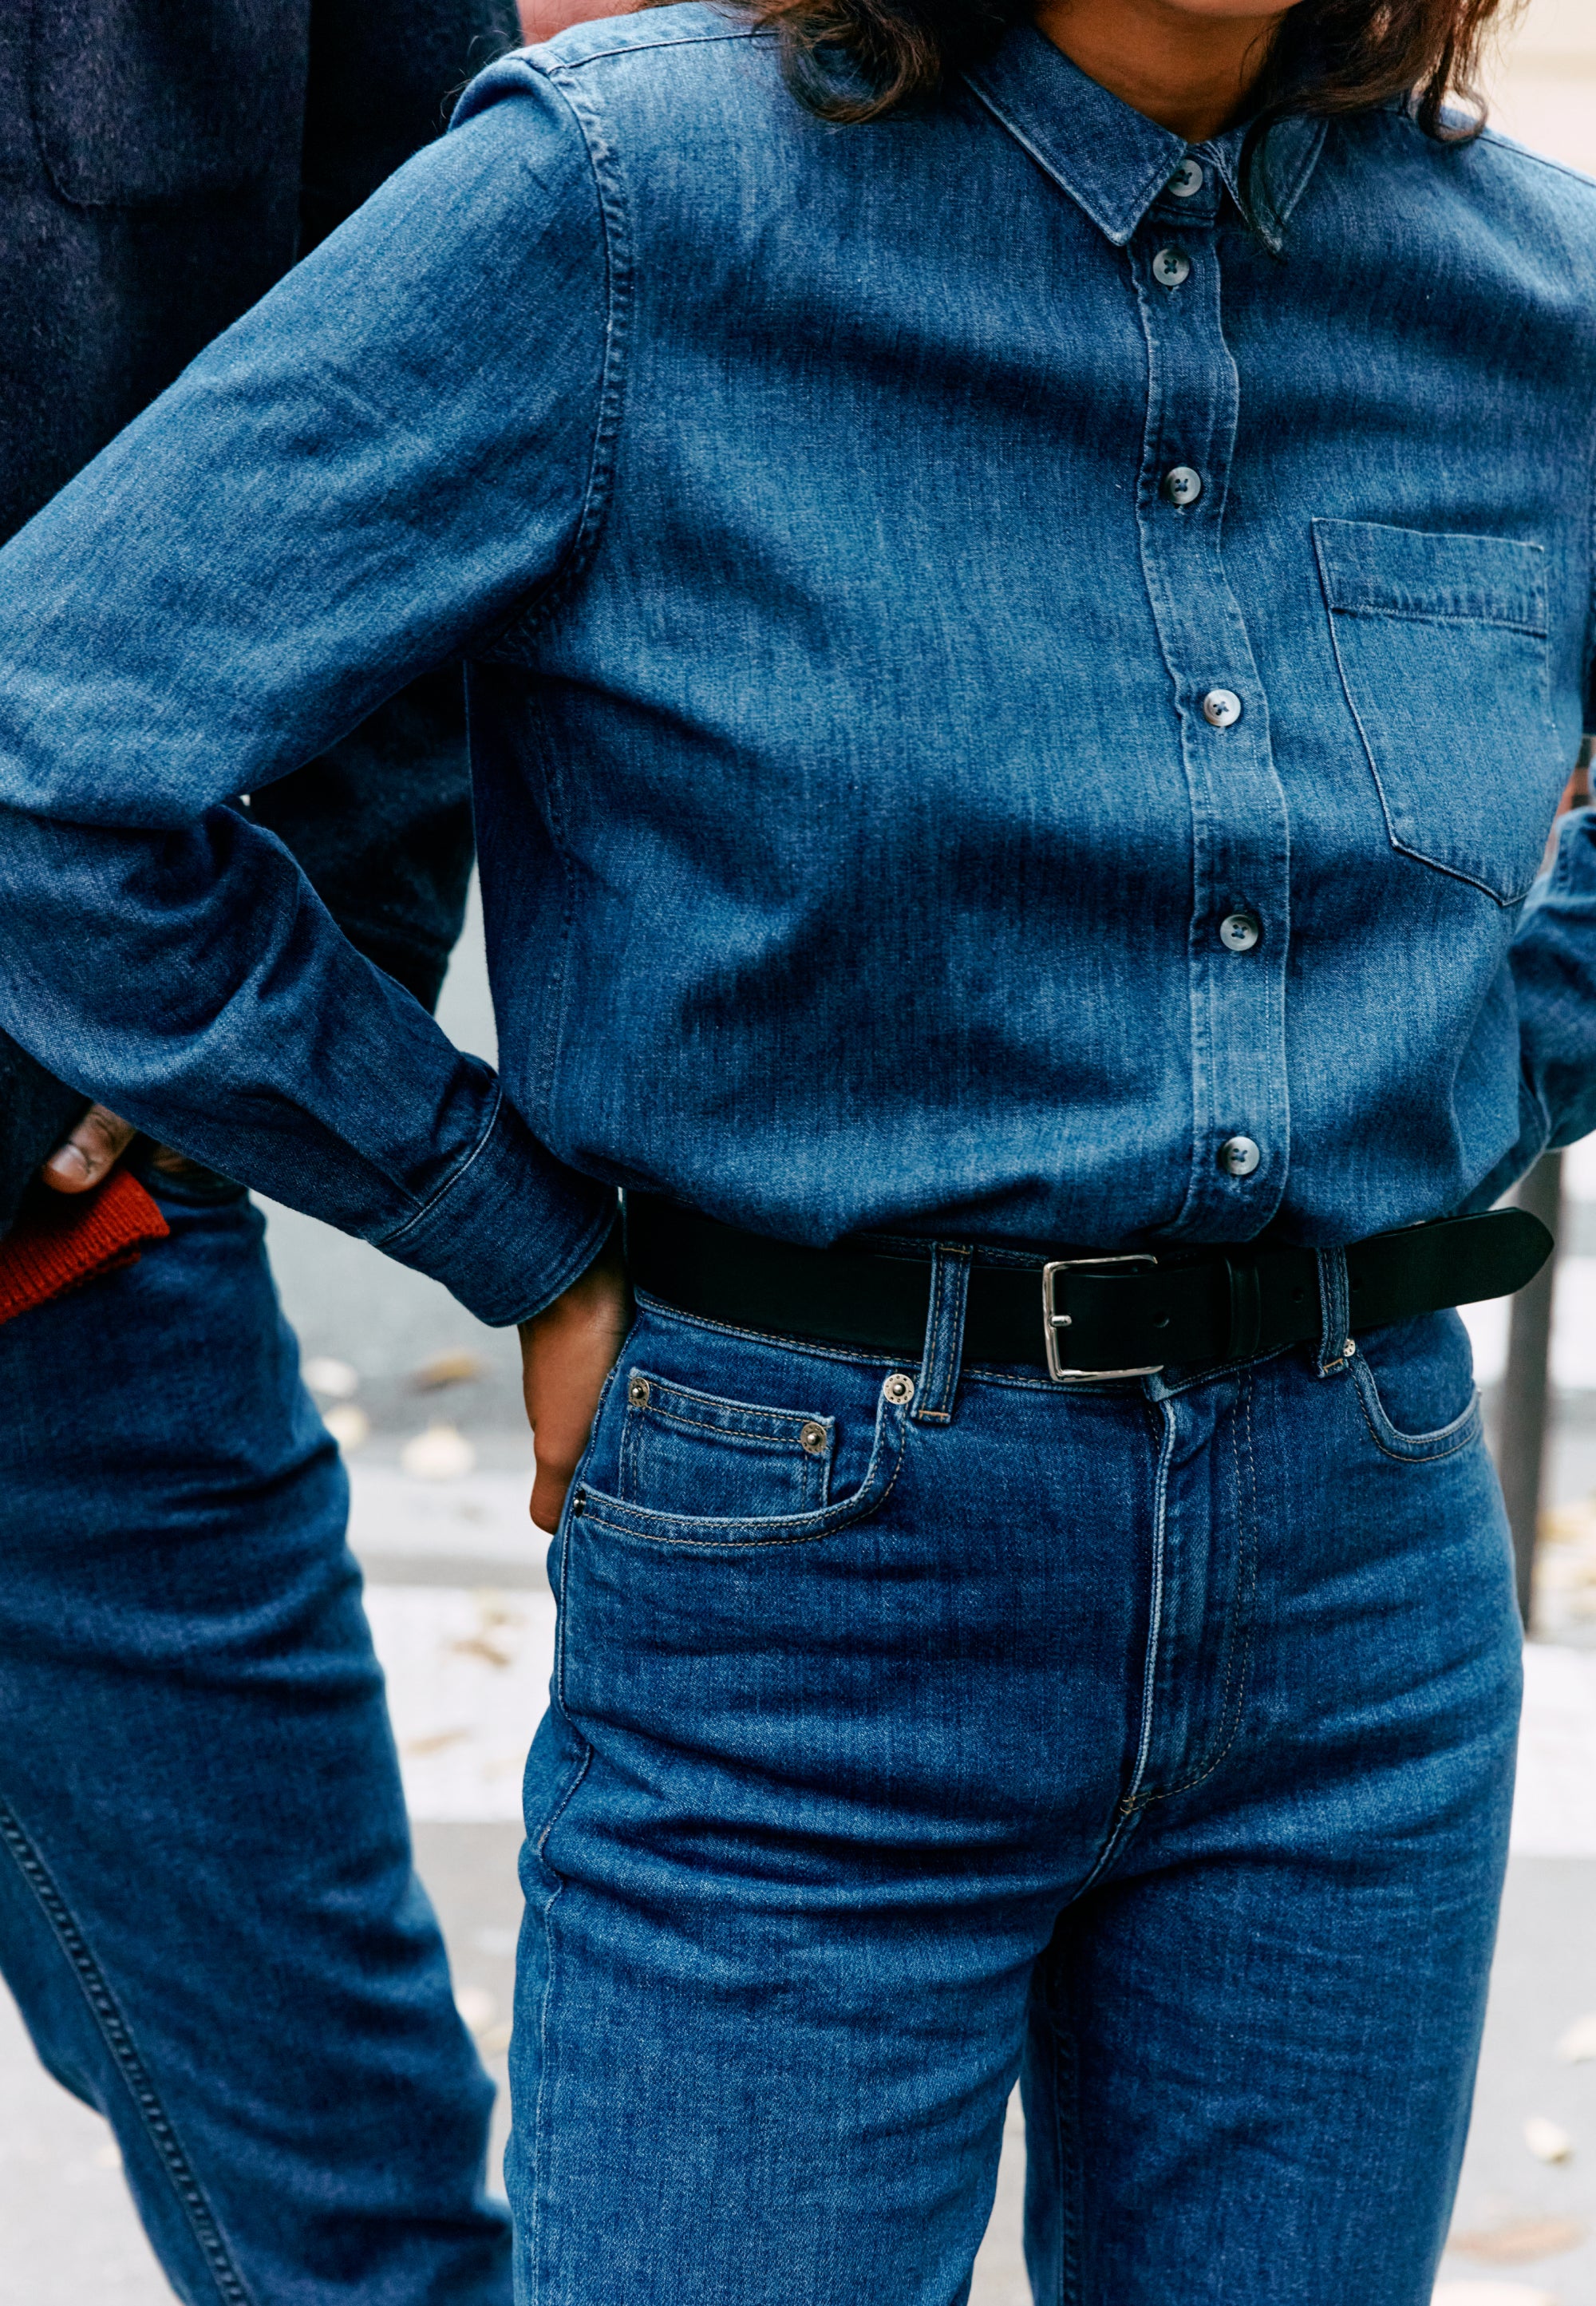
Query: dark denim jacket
(1002,706)
(161,165)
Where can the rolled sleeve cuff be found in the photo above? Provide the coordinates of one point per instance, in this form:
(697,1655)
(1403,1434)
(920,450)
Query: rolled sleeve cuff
(511,1229)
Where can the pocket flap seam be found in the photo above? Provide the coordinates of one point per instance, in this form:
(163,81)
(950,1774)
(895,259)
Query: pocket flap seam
(1428,577)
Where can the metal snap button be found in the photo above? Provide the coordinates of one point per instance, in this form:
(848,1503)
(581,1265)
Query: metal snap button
(1239,1157)
(813,1438)
(1222,708)
(1188,180)
(1171,267)
(899,1387)
(1182,485)
(638,1392)
(1240,931)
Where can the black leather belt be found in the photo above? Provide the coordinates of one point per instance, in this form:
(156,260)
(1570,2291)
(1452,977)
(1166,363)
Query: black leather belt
(1077,1317)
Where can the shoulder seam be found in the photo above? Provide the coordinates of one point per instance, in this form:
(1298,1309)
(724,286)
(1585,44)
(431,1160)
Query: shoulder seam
(1488,135)
(559,65)
(533,608)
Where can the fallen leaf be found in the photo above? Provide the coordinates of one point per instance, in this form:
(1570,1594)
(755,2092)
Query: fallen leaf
(1548,2142)
(1519,2239)
(441,1453)
(457,1368)
(478,1645)
(337,1380)
(1580,2040)
(434,1743)
(348,1424)
(476,2005)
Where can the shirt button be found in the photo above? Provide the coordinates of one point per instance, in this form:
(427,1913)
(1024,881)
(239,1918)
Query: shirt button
(1239,1157)
(1188,180)
(1170,266)
(1240,931)
(1222,708)
(1182,485)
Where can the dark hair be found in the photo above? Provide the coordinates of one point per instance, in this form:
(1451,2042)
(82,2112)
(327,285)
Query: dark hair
(854,60)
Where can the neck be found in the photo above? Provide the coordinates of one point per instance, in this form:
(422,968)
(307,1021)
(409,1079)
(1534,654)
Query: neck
(1190,64)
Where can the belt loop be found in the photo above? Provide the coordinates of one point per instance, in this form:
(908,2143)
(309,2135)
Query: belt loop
(945,1333)
(1335,1346)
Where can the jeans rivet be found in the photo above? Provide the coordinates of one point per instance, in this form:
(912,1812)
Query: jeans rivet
(899,1387)
(813,1438)
(638,1392)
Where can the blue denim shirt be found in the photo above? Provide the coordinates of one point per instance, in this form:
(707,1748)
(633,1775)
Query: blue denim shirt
(881,766)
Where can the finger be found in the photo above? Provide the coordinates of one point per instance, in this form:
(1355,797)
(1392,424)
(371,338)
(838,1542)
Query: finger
(90,1152)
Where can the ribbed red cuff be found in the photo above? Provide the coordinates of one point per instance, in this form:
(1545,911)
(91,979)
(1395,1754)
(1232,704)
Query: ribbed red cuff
(62,1240)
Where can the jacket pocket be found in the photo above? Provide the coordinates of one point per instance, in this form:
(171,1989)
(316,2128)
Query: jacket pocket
(1441,643)
(146,103)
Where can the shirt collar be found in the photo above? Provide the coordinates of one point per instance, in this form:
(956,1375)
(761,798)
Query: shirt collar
(1113,161)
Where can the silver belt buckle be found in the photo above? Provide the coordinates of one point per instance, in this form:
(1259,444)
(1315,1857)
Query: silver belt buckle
(1053,1321)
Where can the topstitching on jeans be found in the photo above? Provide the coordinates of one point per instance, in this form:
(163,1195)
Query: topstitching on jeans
(1238,1655)
(220,2262)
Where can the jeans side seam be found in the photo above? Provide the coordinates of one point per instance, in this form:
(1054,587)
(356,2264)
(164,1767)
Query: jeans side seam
(117,2036)
(1071,2177)
(539,2125)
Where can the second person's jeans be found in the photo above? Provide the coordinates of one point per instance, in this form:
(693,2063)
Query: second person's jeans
(208,1912)
(916,1729)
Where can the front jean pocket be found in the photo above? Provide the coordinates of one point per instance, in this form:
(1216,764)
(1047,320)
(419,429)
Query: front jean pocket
(1415,1387)
(687,1452)
(1441,643)
(697,1470)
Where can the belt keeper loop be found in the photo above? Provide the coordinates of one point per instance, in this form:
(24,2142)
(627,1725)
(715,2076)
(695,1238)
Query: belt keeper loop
(1334,1343)
(944,1335)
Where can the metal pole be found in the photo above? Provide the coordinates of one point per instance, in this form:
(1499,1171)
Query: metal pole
(1521,1445)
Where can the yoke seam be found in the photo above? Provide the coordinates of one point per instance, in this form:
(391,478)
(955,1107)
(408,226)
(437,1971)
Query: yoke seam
(117,2036)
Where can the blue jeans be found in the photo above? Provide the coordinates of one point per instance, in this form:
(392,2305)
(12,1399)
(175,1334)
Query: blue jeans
(916,1729)
(207,1907)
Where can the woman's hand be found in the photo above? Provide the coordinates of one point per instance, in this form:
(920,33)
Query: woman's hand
(566,1352)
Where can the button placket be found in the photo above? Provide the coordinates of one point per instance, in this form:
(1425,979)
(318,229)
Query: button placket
(1240,1138)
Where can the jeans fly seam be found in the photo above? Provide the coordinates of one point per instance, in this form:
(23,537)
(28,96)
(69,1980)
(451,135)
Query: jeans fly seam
(117,2036)
(1238,1657)
(1156,1615)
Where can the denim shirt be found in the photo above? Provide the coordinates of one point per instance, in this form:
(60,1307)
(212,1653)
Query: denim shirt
(991,681)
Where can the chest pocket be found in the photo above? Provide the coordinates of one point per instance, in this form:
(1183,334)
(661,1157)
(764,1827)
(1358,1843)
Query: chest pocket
(1442,646)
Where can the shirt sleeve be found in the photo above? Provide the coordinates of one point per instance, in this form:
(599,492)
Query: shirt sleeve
(385,460)
(1553,959)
